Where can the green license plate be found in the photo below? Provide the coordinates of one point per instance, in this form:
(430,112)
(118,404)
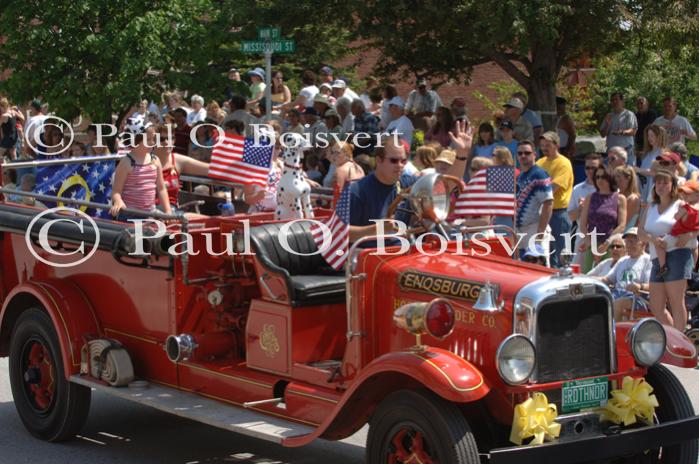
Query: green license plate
(583,394)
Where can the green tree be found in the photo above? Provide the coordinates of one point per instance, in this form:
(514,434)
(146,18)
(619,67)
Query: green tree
(532,40)
(99,57)
(653,67)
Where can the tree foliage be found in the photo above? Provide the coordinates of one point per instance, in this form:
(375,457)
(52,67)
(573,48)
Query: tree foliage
(532,40)
(100,57)
(660,58)
(649,75)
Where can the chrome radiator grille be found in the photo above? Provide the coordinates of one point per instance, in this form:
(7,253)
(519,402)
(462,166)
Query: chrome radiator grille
(572,340)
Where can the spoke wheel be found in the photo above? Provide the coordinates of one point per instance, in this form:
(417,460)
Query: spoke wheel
(39,376)
(417,427)
(408,447)
(50,407)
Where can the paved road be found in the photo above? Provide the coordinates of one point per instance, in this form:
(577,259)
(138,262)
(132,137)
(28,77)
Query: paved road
(118,431)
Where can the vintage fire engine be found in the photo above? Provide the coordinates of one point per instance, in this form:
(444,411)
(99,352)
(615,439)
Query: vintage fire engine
(449,357)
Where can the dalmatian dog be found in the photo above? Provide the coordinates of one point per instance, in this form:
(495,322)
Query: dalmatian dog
(293,192)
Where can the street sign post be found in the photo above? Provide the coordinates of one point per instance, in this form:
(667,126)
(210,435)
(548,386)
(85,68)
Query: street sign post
(269,42)
(276,46)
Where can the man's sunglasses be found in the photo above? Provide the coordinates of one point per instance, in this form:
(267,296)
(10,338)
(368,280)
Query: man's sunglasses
(616,246)
(524,153)
(398,160)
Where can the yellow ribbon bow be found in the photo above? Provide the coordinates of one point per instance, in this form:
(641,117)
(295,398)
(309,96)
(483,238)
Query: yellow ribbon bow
(632,401)
(535,418)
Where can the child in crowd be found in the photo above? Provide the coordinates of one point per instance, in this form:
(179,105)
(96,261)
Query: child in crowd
(139,175)
(294,122)
(234,127)
(424,159)
(312,168)
(485,144)
(535,254)
(77,149)
(687,222)
(26,184)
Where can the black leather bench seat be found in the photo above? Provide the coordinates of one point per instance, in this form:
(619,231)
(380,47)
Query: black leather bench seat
(319,288)
(310,280)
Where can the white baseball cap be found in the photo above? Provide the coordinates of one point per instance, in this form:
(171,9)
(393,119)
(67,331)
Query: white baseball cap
(339,84)
(397,101)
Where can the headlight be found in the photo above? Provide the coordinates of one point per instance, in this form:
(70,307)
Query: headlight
(647,341)
(516,358)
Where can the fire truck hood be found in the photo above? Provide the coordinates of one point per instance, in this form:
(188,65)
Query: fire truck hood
(452,276)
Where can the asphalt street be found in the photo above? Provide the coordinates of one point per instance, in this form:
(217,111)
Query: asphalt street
(118,431)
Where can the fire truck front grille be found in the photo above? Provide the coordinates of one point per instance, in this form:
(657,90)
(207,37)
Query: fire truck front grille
(572,340)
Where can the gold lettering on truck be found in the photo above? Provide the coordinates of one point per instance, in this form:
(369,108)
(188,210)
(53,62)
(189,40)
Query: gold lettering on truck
(440,285)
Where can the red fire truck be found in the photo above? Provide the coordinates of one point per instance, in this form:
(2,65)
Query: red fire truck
(449,356)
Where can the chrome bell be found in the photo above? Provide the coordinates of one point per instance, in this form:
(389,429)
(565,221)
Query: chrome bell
(486,299)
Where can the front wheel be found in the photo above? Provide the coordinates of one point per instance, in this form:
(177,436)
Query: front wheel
(417,426)
(674,404)
(50,407)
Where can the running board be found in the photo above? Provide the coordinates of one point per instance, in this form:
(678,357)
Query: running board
(204,410)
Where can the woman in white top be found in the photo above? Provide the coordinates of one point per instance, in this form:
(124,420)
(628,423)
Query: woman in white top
(656,222)
(654,143)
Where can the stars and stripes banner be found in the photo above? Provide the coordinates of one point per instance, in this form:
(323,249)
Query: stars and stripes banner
(338,224)
(490,192)
(239,160)
(87,181)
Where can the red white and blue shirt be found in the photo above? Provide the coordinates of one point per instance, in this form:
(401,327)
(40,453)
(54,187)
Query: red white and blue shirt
(533,189)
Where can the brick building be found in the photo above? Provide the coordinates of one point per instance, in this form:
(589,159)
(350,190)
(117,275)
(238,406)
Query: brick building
(482,76)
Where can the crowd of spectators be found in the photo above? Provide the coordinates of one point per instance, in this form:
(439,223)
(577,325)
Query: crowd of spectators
(624,210)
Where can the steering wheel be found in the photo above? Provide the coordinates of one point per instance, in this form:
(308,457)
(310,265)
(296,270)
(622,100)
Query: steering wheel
(391,211)
(458,183)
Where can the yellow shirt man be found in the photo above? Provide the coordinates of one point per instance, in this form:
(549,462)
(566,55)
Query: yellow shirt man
(560,170)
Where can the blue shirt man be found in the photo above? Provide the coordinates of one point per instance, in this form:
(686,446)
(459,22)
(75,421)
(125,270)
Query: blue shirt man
(371,196)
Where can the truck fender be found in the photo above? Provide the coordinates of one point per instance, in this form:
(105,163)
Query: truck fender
(679,350)
(70,311)
(446,374)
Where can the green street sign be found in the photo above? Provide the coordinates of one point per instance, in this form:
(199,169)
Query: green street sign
(276,46)
(268,33)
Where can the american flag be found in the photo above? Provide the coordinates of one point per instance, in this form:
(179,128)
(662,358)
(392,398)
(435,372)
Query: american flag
(338,224)
(490,192)
(237,159)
